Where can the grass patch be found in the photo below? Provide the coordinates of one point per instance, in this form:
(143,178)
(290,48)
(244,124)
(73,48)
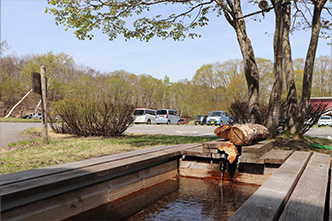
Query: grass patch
(33,154)
(13,119)
(26,155)
(287,142)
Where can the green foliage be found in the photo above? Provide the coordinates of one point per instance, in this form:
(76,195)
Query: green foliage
(322,79)
(214,86)
(112,18)
(58,68)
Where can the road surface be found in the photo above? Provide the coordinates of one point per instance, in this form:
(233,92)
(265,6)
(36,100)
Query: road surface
(10,132)
(321,132)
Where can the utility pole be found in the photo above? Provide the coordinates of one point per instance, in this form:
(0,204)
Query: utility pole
(44,107)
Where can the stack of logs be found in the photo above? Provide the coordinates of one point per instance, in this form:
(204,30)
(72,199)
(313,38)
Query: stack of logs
(239,134)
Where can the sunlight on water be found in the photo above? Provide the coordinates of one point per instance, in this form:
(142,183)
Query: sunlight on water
(198,199)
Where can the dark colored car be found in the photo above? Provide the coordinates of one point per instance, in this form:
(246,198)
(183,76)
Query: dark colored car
(184,121)
(232,120)
(200,119)
(29,116)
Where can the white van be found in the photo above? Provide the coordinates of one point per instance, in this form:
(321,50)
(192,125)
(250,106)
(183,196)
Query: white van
(145,116)
(166,116)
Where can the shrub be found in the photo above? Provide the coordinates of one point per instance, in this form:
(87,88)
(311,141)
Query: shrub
(92,117)
(240,111)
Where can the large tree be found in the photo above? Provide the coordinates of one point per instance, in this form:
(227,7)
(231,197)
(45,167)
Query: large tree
(296,113)
(275,97)
(316,25)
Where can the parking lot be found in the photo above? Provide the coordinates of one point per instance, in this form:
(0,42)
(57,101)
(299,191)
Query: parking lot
(203,130)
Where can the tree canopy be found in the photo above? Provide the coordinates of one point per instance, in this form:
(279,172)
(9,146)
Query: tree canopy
(147,18)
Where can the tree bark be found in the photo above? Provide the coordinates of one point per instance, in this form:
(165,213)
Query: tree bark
(230,149)
(223,131)
(242,134)
(292,104)
(309,62)
(245,134)
(275,97)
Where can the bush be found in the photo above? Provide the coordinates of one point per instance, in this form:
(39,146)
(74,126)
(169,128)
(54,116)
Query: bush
(92,117)
(240,111)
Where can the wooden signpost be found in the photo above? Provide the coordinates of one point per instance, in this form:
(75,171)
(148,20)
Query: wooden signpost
(39,87)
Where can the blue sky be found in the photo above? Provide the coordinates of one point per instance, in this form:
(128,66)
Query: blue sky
(29,30)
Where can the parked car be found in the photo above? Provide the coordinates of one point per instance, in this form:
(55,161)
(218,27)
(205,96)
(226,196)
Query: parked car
(28,116)
(282,123)
(217,118)
(200,119)
(325,121)
(36,116)
(144,115)
(232,120)
(184,121)
(167,116)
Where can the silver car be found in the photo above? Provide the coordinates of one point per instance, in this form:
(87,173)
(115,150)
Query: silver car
(144,115)
(167,116)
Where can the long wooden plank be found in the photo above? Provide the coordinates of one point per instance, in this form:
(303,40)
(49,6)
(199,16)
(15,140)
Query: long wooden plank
(19,193)
(276,156)
(75,202)
(46,171)
(307,201)
(86,164)
(268,201)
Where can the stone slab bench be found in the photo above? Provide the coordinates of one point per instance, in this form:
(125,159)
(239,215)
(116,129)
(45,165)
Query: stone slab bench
(298,190)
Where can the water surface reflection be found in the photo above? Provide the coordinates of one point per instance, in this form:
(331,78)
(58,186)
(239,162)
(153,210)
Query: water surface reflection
(198,199)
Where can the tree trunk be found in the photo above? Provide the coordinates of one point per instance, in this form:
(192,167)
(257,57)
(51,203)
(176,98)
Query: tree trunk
(275,97)
(245,134)
(309,63)
(292,104)
(232,12)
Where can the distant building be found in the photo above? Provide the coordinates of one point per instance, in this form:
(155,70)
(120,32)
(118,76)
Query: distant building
(323,100)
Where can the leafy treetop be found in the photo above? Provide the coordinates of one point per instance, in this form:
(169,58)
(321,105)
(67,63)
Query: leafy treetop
(111,16)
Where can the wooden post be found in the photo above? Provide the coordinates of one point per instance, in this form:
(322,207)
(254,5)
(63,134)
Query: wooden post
(44,108)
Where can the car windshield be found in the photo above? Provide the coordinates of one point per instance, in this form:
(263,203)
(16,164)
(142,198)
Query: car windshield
(199,117)
(325,118)
(161,112)
(215,114)
(138,112)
